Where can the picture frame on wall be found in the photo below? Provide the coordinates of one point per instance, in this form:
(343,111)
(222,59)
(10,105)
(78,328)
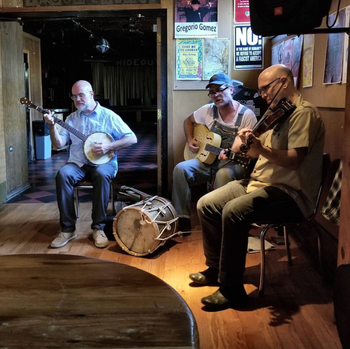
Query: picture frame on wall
(196,19)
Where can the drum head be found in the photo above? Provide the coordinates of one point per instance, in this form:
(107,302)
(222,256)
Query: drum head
(134,233)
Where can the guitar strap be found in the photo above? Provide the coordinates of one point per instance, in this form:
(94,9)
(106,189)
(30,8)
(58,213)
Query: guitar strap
(227,134)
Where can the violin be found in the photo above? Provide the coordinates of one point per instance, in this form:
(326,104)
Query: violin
(270,119)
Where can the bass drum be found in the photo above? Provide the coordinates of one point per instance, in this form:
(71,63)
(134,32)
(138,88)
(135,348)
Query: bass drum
(141,228)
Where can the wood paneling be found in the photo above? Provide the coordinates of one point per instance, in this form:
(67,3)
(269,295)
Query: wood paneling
(13,113)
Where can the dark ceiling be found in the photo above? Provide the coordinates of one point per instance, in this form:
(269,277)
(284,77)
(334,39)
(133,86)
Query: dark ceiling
(129,34)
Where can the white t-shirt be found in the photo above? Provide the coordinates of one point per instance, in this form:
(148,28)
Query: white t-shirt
(205,115)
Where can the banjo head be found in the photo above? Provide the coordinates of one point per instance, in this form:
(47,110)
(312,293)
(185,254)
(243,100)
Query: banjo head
(88,145)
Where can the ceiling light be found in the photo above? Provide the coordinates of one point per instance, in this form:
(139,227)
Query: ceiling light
(102,45)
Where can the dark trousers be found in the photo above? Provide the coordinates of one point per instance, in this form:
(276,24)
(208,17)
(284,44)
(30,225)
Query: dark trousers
(66,179)
(226,215)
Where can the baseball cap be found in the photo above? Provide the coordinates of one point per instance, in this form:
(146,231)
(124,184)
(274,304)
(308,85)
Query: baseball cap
(219,79)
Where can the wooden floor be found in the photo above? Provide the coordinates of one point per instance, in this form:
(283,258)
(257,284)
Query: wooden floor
(296,311)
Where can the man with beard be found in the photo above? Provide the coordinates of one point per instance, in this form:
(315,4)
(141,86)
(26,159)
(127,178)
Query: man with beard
(89,117)
(224,117)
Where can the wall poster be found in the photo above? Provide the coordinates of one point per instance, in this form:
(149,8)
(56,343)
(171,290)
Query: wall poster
(241,11)
(334,54)
(216,55)
(196,18)
(288,52)
(189,59)
(248,49)
(308,59)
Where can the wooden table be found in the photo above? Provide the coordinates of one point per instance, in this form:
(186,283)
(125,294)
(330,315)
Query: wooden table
(64,301)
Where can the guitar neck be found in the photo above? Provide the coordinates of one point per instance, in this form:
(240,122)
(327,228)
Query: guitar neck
(244,161)
(64,125)
(217,150)
(213,149)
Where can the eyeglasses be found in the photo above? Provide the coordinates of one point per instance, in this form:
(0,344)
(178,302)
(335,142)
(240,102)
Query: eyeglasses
(265,88)
(80,95)
(220,90)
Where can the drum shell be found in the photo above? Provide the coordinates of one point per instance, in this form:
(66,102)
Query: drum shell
(137,226)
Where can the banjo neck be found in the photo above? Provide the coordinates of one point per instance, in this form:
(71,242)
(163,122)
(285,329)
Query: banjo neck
(63,124)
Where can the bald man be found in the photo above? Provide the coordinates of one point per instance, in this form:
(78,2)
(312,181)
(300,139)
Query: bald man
(89,117)
(282,187)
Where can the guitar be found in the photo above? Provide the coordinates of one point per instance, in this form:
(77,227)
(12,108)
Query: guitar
(88,141)
(209,147)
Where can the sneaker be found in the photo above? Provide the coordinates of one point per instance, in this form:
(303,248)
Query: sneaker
(100,238)
(63,238)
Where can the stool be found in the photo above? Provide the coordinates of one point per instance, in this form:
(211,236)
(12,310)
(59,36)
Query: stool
(266,227)
(86,184)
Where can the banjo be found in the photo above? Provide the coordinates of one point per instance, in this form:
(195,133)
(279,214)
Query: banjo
(88,141)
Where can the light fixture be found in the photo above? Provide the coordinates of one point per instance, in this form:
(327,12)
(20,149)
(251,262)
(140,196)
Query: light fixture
(102,45)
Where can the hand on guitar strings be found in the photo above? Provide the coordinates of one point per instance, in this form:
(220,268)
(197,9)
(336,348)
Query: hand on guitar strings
(193,146)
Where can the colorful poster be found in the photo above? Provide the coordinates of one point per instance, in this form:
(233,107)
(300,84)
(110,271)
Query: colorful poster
(241,11)
(288,53)
(248,49)
(277,53)
(196,19)
(189,55)
(297,43)
(334,53)
(308,59)
(216,53)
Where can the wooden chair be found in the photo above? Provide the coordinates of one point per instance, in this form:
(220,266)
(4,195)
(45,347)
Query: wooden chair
(266,227)
(86,184)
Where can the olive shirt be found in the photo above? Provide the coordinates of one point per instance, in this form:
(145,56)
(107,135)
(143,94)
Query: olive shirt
(304,128)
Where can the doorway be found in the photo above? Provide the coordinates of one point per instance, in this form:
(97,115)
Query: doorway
(119,53)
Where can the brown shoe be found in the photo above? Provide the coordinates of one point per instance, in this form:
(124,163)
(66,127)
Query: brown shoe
(218,301)
(206,278)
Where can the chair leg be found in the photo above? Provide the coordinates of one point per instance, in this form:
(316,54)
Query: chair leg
(262,261)
(111,190)
(76,196)
(319,252)
(286,242)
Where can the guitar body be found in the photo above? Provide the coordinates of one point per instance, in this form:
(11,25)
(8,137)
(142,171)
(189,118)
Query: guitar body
(203,136)
(88,145)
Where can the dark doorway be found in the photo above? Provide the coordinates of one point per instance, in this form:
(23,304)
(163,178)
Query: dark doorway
(95,46)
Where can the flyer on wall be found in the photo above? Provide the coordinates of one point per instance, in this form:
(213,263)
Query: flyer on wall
(189,57)
(248,48)
(216,55)
(196,19)
(242,11)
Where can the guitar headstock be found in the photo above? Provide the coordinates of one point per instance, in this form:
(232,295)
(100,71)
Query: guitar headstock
(28,103)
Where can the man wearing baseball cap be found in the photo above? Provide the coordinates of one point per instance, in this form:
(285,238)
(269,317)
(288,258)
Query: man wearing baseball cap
(223,116)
